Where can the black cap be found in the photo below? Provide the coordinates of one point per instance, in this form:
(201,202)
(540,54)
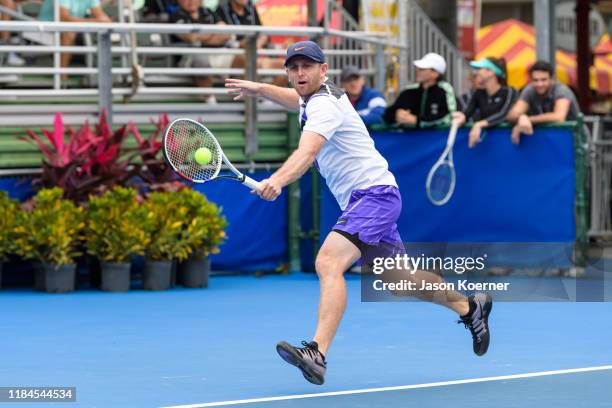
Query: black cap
(349,72)
(306,49)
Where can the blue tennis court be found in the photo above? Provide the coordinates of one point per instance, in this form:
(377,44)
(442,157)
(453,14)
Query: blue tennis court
(211,347)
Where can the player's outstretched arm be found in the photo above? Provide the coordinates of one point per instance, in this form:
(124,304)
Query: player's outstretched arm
(287,97)
(294,167)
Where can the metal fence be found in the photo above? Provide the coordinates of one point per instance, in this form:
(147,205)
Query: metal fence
(600,166)
(424,37)
(108,69)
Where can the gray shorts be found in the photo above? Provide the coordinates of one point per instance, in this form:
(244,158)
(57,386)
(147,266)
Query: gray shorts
(206,61)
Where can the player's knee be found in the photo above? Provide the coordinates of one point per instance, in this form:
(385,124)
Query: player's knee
(328,265)
(399,282)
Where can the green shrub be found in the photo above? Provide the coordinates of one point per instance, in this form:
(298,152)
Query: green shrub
(10,211)
(206,231)
(182,223)
(51,231)
(115,227)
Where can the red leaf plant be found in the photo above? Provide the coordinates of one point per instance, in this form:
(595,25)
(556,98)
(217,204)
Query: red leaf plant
(90,161)
(147,159)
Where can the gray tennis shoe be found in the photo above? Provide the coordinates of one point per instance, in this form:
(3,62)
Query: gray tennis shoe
(308,359)
(477,321)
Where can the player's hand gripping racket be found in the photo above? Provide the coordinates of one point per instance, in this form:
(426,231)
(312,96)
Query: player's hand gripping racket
(441,178)
(194,154)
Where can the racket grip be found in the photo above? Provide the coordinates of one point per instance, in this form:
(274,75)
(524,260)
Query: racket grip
(252,184)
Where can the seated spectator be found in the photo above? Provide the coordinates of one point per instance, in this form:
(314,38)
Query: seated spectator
(369,103)
(159,10)
(492,99)
(464,99)
(544,100)
(191,12)
(242,12)
(6,37)
(79,11)
(429,102)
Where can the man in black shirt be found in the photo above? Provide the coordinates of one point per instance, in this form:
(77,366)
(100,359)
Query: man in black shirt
(191,12)
(242,12)
(159,10)
(429,102)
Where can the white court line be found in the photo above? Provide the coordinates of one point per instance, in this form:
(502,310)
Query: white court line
(397,388)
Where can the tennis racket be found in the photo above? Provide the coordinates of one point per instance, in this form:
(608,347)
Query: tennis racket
(440,183)
(180,143)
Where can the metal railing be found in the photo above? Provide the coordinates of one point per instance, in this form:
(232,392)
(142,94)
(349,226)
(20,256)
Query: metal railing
(423,37)
(359,54)
(600,165)
(108,90)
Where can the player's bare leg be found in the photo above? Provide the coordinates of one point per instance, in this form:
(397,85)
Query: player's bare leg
(473,311)
(335,256)
(447,298)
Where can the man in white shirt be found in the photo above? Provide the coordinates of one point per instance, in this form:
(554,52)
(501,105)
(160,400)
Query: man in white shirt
(335,139)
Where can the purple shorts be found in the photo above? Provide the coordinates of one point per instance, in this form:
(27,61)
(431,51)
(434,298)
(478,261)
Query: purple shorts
(370,218)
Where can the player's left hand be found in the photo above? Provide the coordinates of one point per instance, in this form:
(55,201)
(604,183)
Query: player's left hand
(270,189)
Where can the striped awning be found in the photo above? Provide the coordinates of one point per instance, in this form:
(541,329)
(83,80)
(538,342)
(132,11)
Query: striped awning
(604,46)
(515,41)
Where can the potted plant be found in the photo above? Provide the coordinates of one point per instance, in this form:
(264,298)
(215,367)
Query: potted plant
(8,222)
(165,223)
(50,231)
(115,231)
(205,231)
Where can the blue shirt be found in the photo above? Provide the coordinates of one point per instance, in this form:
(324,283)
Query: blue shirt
(78,8)
(370,106)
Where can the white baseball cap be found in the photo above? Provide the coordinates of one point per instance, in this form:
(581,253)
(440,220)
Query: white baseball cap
(432,61)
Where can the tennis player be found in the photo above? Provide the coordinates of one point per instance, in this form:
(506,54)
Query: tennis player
(335,139)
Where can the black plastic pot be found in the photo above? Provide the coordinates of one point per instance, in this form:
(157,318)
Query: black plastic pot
(157,275)
(56,279)
(115,276)
(195,271)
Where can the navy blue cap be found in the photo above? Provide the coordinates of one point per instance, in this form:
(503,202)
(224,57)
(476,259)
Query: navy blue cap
(306,49)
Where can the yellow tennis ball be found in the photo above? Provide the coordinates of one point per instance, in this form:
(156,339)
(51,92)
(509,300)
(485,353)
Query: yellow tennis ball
(203,155)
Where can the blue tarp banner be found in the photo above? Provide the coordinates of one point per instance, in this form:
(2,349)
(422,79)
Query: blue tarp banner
(503,193)
(257,229)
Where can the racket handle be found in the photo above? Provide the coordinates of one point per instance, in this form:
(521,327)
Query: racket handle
(252,184)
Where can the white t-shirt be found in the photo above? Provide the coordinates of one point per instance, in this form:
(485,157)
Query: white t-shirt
(348,160)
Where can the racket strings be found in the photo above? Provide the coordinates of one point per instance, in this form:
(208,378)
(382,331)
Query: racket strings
(441,183)
(183,139)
